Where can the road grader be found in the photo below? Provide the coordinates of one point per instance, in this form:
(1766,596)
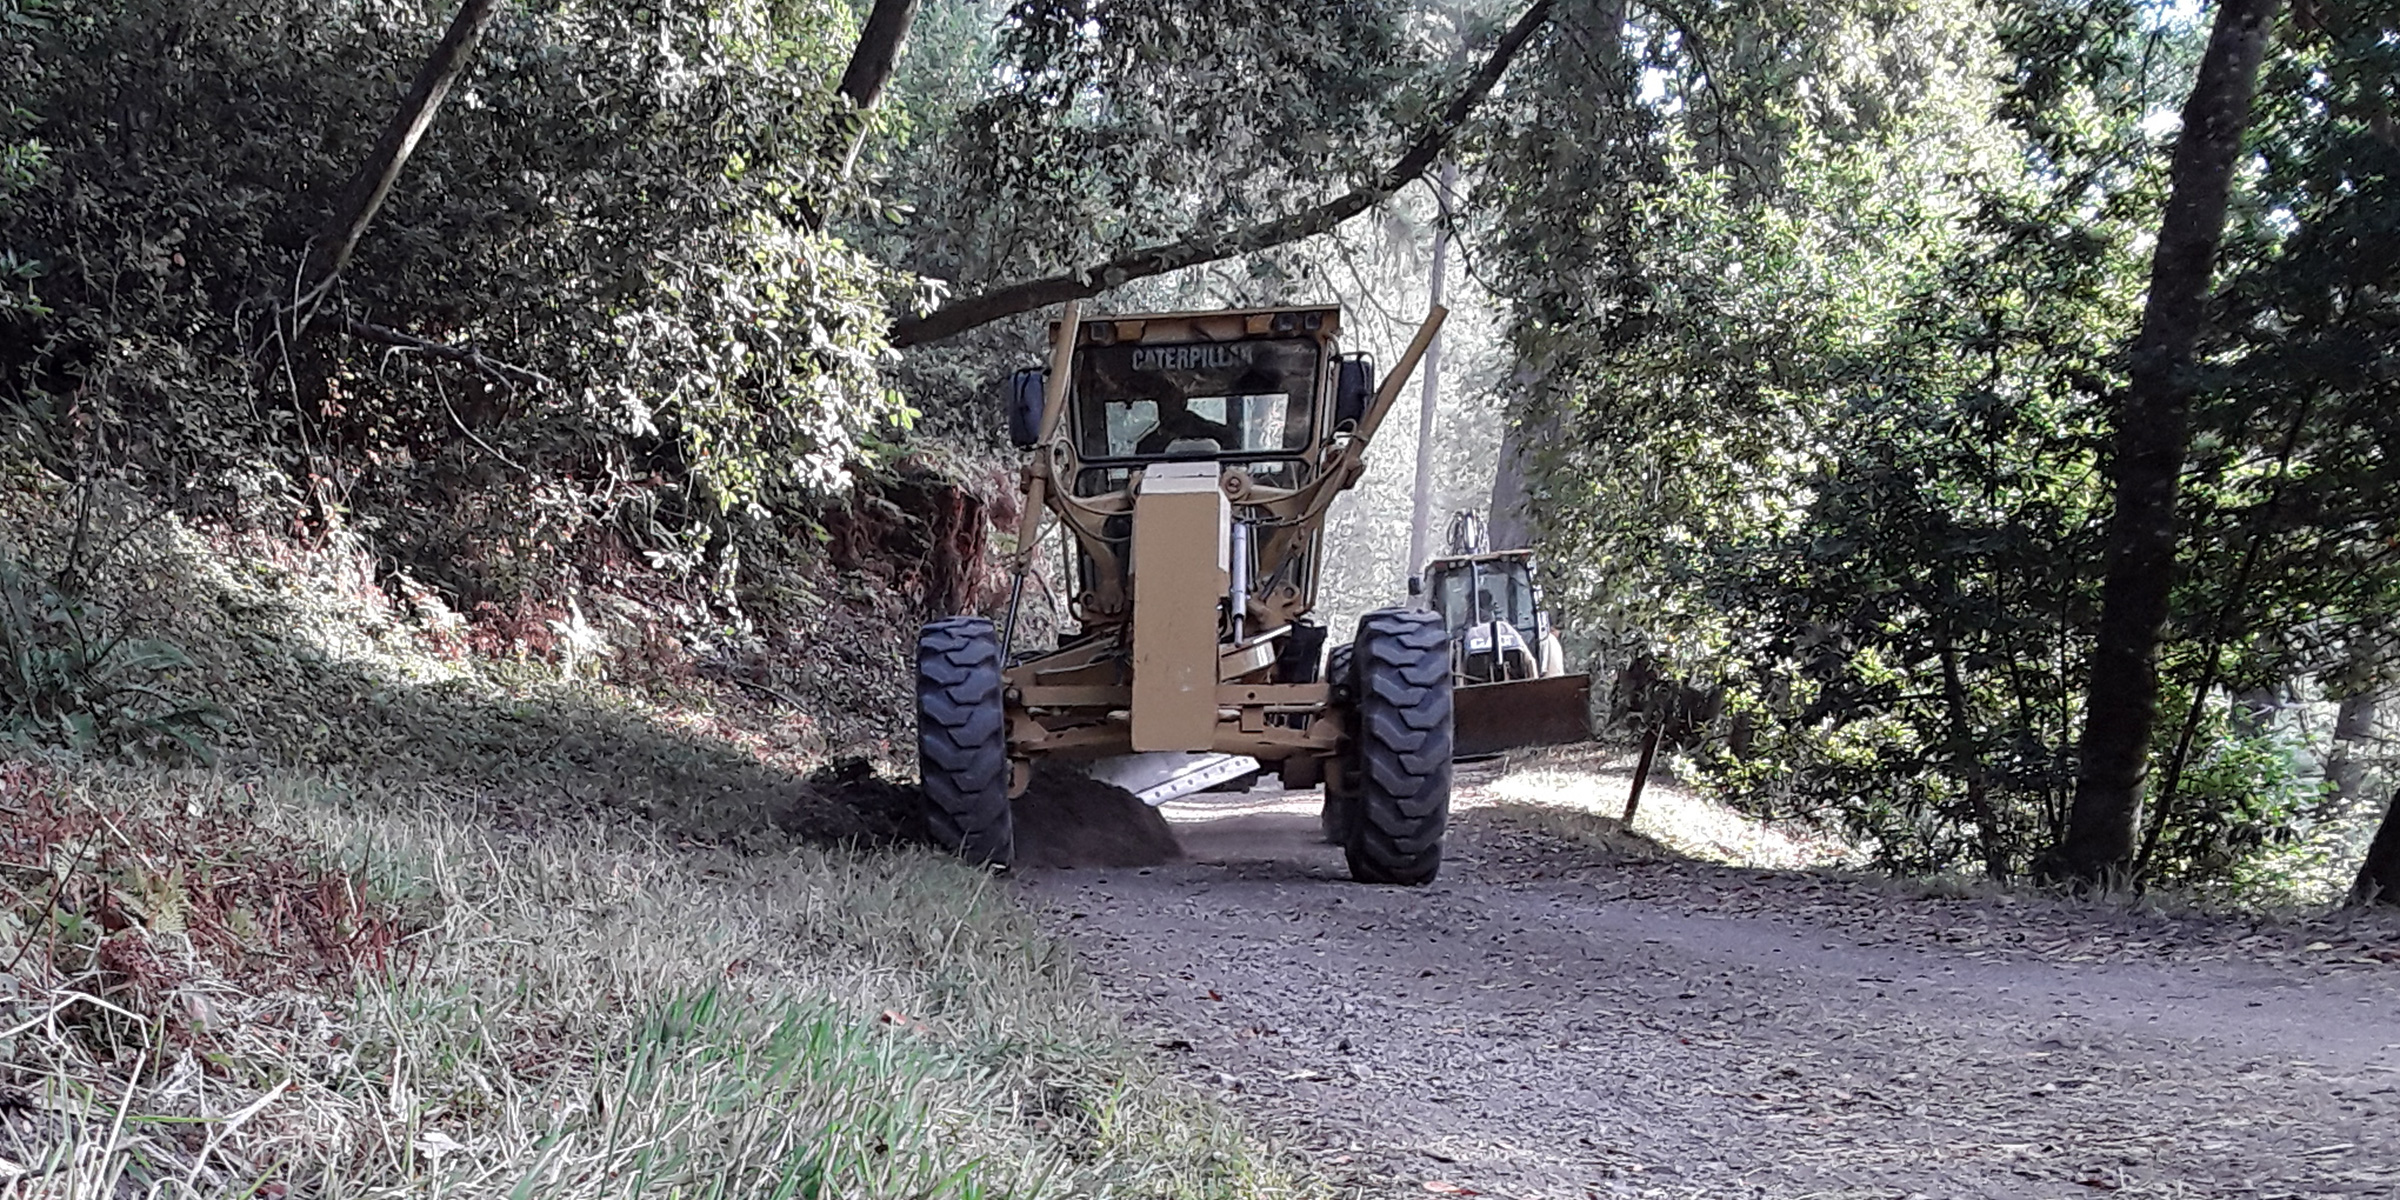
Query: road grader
(1190,459)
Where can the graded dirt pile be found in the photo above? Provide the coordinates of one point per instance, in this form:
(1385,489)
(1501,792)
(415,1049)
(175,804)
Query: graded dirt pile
(1068,819)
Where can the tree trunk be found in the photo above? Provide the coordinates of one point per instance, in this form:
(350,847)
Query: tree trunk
(2379,876)
(1084,282)
(1967,758)
(2152,440)
(2346,768)
(1511,523)
(872,61)
(367,190)
(2361,690)
(1420,527)
(2254,709)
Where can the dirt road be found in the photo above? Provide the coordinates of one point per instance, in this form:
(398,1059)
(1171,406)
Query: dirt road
(1551,1020)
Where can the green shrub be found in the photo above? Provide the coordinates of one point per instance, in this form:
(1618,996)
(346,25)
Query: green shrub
(612,203)
(73,672)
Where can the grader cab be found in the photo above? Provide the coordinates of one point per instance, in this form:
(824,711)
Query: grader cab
(1189,459)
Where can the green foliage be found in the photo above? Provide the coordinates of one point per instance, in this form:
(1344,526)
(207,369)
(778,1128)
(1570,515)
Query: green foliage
(1829,368)
(612,203)
(74,670)
(2243,793)
(24,162)
(71,676)
(2294,469)
(1120,124)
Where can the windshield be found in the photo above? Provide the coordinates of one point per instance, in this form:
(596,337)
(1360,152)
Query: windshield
(1145,401)
(1474,593)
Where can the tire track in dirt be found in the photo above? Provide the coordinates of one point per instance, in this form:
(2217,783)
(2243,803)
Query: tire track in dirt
(1551,1021)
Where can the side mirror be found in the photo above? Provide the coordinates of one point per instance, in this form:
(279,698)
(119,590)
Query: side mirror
(1353,388)
(1025,390)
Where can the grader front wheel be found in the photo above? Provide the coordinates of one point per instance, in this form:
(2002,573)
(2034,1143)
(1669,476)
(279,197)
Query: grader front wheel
(1401,739)
(962,740)
(1341,788)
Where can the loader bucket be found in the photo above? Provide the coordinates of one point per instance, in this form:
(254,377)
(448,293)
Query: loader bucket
(1491,717)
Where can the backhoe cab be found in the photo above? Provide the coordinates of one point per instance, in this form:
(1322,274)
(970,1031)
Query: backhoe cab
(1189,459)
(1512,687)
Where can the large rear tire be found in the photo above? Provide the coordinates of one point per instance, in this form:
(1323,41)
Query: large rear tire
(962,741)
(1341,798)
(1401,747)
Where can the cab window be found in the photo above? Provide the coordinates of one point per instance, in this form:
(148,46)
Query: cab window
(1475,593)
(1226,398)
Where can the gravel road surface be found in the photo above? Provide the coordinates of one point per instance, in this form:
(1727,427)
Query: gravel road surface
(1552,1019)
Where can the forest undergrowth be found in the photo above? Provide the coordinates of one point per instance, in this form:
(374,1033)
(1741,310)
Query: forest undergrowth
(331,897)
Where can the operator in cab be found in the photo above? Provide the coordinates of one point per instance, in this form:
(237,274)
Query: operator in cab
(1177,422)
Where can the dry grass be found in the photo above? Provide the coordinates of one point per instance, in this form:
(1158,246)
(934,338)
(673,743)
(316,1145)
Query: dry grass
(1580,794)
(592,1012)
(434,928)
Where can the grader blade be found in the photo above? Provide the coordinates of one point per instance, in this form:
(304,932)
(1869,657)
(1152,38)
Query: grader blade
(1491,717)
(1162,775)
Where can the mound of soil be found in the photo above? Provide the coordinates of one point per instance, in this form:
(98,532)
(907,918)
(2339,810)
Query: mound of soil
(1069,819)
(848,800)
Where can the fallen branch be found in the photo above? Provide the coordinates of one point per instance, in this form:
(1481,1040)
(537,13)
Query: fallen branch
(507,375)
(1082,283)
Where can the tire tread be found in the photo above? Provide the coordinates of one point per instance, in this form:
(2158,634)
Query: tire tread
(962,740)
(1402,735)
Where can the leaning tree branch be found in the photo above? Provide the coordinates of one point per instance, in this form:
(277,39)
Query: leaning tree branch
(365,194)
(959,316)
(872,61)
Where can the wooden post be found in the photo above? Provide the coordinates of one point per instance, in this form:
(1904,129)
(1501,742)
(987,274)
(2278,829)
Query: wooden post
(1641,775)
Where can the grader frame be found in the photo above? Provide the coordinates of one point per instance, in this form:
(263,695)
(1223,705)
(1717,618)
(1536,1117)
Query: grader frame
(1191,458)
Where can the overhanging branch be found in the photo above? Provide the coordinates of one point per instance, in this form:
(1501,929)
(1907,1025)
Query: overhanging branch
(959,316)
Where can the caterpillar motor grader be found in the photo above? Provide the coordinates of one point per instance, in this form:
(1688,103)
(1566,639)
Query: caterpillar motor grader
(1190,459)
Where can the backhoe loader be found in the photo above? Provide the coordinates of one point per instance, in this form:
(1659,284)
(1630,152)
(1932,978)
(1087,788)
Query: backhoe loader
(1508,668)
(1189,459)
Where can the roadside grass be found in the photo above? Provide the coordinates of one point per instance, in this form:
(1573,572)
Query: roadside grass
(429,925)
(1578,794)
(583,1011)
